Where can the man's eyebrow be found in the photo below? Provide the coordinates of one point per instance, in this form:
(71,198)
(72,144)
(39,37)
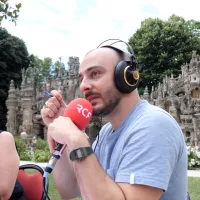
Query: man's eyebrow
(91,68)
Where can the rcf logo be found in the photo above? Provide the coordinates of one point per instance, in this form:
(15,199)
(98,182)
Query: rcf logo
(84,111)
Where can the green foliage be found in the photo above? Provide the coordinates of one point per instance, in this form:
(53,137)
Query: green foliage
(26,155)
(41,156)
(7,12)
(42,152)
(20,145)
(193,159)
(41,69)
(42,145)
(22,151)
(161,47)
(58,65)
(13,57)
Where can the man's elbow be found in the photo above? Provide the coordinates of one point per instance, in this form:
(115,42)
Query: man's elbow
(69,196)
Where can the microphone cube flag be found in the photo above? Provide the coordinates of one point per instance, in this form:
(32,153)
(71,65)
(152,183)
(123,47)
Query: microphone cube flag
(80,112)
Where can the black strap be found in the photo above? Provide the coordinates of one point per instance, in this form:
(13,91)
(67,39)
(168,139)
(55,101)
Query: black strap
(80,153)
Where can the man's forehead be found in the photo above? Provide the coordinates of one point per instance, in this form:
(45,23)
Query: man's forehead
(101,51)
(99,56)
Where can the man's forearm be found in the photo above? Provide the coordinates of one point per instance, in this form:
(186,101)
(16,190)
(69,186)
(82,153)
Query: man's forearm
(65,178)
(94,183)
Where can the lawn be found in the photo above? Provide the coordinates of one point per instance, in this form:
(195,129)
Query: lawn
(193,188)
(53,194)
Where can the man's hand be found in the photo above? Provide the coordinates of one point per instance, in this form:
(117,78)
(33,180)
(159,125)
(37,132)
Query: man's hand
(64,131)
(54,108)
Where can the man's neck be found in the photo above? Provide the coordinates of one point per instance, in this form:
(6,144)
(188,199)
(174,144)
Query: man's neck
(122,110)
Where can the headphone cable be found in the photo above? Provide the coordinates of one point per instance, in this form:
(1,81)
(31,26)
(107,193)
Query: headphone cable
(44,187)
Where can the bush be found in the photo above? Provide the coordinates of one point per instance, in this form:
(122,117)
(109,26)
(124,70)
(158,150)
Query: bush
(193,158)
(39,153)
(22,151)
(41,156)
(26,155)
(41,145)
(20,145)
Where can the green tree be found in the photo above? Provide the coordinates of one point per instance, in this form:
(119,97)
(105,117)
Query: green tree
(57,66)
(42,68)
(161,47)
(7,12)
(13,57)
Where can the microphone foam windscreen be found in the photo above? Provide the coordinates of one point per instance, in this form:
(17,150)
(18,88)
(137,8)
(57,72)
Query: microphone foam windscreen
(80,112)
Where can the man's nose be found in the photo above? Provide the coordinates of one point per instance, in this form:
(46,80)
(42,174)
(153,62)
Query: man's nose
(85,85)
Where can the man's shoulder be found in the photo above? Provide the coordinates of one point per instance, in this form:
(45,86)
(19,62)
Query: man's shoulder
(151,112)
(153,122)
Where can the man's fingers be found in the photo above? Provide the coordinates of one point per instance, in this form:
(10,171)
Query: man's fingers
(58,96)
(52,106)
(47,112)
(51,143)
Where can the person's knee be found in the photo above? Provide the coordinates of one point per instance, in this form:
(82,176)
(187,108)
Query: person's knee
(6,134)
(7,140)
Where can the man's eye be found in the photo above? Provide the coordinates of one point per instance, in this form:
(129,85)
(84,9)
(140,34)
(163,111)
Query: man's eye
(80,80)
(95,73)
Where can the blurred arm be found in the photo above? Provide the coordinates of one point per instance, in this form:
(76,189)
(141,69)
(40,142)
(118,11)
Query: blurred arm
(9,165)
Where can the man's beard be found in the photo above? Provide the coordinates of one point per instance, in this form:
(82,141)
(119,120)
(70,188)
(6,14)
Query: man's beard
(112,100)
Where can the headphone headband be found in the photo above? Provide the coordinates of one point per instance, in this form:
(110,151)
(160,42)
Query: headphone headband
(132,56)
(116,41)
(126,77)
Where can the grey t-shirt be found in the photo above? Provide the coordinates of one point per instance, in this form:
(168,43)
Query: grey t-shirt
(148,148)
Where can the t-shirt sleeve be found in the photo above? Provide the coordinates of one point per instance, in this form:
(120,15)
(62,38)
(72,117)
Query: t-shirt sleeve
(150,152)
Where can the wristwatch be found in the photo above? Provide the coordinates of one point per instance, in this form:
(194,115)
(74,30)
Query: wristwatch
(80,153)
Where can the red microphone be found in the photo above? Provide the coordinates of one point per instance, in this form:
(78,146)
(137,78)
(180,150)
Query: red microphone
(80,112)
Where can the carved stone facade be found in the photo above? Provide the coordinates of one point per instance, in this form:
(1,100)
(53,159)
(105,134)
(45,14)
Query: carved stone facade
(180,96)
(24,104)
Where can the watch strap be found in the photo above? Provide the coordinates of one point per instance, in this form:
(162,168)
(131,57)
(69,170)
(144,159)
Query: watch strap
(80,153)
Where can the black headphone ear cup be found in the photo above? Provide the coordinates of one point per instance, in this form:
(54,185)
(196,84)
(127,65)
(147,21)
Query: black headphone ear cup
(126,80)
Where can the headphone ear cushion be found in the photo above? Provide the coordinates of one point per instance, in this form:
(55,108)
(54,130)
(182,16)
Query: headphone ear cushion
(124,77)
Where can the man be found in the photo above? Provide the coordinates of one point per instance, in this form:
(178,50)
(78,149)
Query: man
(139,155)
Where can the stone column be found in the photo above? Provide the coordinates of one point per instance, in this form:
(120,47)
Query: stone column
(11,104)
(27,114)
(194,121)
(173,111)
(27,103)
(36,129)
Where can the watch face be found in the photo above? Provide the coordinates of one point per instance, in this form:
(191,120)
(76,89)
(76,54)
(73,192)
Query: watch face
(79,153)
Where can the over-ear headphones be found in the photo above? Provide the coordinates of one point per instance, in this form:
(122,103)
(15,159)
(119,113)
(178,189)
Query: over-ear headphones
(126,77)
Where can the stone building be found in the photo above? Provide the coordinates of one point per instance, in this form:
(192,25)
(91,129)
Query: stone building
(24,104)
(180,96)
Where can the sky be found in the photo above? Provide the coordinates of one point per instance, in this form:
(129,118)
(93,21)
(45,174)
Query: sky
(64,28)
